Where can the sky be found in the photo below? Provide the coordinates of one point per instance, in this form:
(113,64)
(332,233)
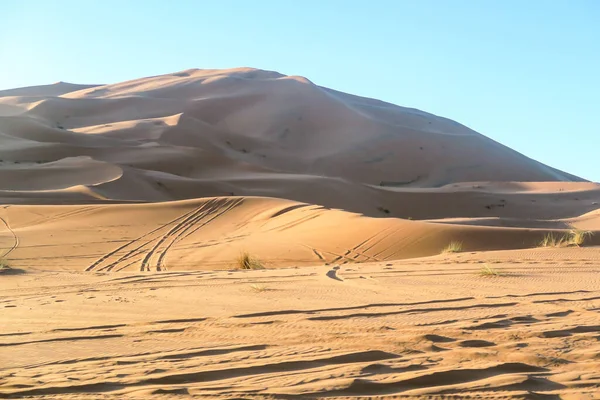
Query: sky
(524,73)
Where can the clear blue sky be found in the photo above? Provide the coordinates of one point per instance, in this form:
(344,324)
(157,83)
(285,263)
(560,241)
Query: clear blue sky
(523,72)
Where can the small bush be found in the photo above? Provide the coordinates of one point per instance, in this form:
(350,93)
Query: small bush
(552,240)
(246,261)
(577,237)
(453,247)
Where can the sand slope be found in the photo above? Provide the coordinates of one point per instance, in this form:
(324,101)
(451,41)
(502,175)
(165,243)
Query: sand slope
(211,233)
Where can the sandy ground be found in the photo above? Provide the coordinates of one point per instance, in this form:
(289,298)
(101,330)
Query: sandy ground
(429,326)
(124,209)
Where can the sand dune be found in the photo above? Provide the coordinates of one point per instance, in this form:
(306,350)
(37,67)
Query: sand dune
(124,209)
(247,132)
(211,233)
(253,120)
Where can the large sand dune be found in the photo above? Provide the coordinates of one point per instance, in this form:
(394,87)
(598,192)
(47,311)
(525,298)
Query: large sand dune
(238,134)
(124,208)
(213,133)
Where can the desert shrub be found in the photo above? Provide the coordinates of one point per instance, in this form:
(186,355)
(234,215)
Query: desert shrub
(246,261)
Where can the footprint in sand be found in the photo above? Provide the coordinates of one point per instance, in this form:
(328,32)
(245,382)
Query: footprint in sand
(476,343)
(439,339)
(332,273)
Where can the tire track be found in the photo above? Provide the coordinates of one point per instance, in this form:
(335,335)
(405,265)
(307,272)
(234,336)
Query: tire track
(131,254)
(131,242)
(15,237)
(190,219)
(180,225)
(226,206)
(213,207)
(59,216)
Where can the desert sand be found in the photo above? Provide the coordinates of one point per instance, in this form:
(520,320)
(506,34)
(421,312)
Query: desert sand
(124,209)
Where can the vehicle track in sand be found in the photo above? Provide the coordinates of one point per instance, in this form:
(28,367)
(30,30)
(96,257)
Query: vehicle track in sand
(15,237)
(155,244)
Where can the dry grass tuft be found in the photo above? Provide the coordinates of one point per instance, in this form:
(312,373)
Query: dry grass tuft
(553,240)
(246,261)
(486,270)
(453,247)
(259,288)
(577,237)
